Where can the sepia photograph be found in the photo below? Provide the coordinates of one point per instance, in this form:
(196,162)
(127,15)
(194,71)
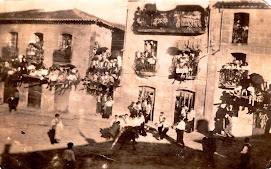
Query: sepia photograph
(135,84)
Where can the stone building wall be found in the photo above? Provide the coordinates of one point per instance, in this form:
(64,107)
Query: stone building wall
(83,39)
(257,49)
(165,89)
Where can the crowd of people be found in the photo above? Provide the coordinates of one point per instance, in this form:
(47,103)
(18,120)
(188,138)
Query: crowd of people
(19,70)
(240,30)
(104,104)
(144,61)
(185,64)
(149,17)
(103,73)
(254,98)
(233,72)
(63,77)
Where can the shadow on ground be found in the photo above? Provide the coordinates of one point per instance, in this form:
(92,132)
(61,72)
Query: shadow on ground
(147,155)
(95,155)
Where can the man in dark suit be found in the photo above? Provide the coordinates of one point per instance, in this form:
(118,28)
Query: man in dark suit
(12,104)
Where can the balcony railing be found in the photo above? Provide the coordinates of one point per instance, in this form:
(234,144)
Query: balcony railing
(9,53)
(145,65)
(231,77)
(62,55)
(188,71)
(34,55)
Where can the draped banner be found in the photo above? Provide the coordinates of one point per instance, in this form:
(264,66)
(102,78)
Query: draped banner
(186,19)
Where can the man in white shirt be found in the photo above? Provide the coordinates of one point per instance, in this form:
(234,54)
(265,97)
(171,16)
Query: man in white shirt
(69,157)
(164,127)
(180,131)
(251,94)
(190,120)
(148,112)
(184,111)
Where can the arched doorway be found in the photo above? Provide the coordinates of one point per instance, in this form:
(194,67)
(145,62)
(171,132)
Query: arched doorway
(147,92)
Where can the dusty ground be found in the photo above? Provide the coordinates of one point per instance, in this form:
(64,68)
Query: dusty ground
(34,150)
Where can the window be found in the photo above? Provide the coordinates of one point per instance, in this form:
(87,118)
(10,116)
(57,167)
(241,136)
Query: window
(11,49)
(64,52)
(240,28)
(146,61)
(66,41)
(233,72)
(34,51)
(14,39)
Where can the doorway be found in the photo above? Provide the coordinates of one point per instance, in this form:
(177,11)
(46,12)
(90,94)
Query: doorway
(34,96)
(184,98)
(9,91)
(147,92)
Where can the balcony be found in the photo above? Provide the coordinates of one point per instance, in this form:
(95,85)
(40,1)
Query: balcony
(9,52)
(62,55)
(231,77)
(34,53)
(145,66)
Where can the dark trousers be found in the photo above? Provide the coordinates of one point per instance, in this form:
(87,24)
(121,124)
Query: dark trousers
(180,136)
(162,132)
(245,160)
(141,130)
(147,118)
(69,165)
(12,107)
(190,126)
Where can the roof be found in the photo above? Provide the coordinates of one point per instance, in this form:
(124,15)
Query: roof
(242,4)
(40,16)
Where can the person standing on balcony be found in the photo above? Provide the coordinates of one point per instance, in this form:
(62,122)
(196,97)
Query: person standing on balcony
(251,94)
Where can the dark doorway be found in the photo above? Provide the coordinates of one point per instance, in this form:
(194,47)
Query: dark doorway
(34,96)
(9,91)
(147,92)
(184,98)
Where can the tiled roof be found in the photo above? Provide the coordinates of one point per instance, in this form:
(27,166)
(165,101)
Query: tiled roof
(241,4)
(55,16)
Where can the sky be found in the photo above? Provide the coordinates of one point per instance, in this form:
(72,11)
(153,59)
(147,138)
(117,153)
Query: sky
(110,10)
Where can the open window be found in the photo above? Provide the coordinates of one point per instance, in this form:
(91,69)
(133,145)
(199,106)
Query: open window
(11,49)
(34,50)
(240,28)
(232,73)
(146,61)
(64,52)
(14,39)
